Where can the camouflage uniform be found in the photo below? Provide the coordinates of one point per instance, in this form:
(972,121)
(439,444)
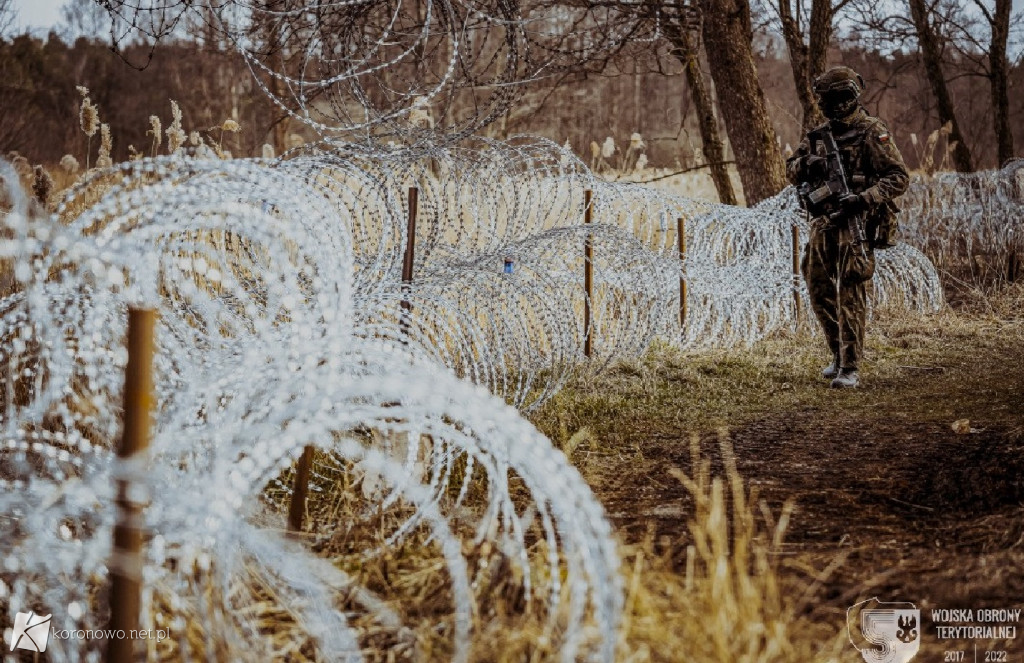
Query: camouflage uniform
(874,169)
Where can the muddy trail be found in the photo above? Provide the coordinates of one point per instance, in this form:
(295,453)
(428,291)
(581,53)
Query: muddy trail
(903,512)
(894,494)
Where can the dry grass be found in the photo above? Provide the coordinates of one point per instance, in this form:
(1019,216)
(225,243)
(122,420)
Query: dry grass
(728,602)
(694,184)
(922,373)
(926,156)
(717,596)
(709,389)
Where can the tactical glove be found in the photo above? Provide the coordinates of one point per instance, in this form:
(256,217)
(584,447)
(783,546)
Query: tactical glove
(815,167)
(853,204)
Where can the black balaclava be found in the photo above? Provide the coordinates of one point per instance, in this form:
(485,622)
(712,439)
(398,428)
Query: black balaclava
(838,91)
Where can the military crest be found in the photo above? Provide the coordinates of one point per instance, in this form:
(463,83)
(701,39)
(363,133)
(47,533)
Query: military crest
(885,632)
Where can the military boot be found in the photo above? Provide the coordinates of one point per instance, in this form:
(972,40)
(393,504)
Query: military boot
(846,379)
(832,370)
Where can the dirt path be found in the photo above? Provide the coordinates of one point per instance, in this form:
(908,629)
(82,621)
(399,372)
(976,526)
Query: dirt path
(885,491)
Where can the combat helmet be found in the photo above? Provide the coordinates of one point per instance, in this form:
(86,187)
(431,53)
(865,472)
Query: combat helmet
(838,91)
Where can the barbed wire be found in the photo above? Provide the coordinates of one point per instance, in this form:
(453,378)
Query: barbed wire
(261,353)
(285,323)
(970,224)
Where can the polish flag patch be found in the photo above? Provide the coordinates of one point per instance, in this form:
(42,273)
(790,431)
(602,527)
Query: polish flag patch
(883,138)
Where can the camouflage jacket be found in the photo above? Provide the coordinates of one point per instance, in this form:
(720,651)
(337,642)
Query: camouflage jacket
(871,160)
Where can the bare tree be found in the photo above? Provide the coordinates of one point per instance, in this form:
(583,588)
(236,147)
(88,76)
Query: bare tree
(271,29)
(677,22)
(15,125)
(999,67)
(990,59)
(728,37)
(7,15)
(83,18)
(808,47)
(686,49)
(929,41)
(741,100)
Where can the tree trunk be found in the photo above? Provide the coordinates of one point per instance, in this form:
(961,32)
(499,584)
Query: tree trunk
(999,68)
(685,50)
(727,40)
(798,61)
(801,61)
(933,69)
(276,63)
(822,12)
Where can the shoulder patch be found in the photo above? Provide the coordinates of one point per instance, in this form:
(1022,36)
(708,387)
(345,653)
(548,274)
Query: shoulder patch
(883,138)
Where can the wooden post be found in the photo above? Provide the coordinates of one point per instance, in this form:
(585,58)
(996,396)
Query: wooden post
(681,236)
(410,239)
(126,569)
(408,258)
(796,270)
(300,490)
(588,274)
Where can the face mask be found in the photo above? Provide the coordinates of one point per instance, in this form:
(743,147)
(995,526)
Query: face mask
(837,104)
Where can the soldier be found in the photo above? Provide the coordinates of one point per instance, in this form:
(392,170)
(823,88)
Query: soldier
(835,271)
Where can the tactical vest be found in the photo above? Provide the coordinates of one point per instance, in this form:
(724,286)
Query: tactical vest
(881,223)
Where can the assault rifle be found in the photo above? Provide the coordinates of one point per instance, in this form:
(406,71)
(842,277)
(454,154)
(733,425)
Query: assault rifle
(823,200)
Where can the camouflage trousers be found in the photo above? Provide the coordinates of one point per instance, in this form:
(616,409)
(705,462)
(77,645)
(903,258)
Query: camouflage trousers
(837,276)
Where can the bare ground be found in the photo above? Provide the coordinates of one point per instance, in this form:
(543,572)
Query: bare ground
(889,500)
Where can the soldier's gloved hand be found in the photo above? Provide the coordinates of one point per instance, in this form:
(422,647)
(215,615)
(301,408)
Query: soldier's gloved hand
(815,167)
(853,204)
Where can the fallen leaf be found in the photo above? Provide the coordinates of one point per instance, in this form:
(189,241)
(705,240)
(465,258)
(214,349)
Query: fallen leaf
(961,426)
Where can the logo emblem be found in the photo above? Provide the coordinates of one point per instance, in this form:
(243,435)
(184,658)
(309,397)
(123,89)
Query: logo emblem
(885,632)
(31,631)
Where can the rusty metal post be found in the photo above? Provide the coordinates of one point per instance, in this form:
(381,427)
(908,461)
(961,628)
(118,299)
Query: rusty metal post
(588,274)
(681,236)
(408,258)
(796,270)
(126,566)
(300,490)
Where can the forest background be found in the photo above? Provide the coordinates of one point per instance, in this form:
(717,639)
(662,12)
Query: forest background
(640,88)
